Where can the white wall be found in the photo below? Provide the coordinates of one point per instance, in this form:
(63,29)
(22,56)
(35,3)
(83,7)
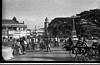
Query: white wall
(18,34)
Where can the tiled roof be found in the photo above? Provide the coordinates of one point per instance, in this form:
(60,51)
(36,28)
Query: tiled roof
(11,23)
(8,21)
(4,25)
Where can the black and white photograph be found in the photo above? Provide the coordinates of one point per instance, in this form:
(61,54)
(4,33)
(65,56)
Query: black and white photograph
(51,30)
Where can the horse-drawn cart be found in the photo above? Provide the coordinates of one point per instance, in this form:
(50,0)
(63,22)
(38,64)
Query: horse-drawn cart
(86,51)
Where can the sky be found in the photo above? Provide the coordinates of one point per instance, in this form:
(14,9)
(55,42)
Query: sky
(34,12)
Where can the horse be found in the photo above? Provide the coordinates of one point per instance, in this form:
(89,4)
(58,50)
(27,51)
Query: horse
(68,45)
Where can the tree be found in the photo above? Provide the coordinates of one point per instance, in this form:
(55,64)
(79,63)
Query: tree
(92,25)
(60,27)
(87,23)
(92,16)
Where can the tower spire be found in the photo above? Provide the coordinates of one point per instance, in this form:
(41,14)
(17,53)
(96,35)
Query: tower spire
(15,19)
(46,19)
(73,25)
(74,30)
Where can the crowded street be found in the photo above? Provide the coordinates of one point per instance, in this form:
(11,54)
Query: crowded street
(56,54)
(51,30)
(24,50)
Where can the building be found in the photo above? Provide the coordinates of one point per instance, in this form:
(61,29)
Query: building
(40,31)
(11,28)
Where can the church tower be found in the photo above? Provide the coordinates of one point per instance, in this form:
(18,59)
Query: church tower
(46,26)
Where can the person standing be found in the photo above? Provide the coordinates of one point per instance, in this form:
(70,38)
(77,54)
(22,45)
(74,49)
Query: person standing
(70,42)
(23,46)
(19,47)
(33,45)
(15,47)
(41,45)
(49,47)
(28,46)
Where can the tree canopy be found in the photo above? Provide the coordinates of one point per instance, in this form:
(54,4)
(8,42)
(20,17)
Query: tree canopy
(92,25)
(60,26)
(87,23)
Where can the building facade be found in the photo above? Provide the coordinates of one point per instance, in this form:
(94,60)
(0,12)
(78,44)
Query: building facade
(11,28)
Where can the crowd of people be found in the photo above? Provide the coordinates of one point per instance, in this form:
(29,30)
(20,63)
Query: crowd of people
(22,45)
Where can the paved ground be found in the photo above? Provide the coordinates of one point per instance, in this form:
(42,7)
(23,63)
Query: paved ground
(57,54)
